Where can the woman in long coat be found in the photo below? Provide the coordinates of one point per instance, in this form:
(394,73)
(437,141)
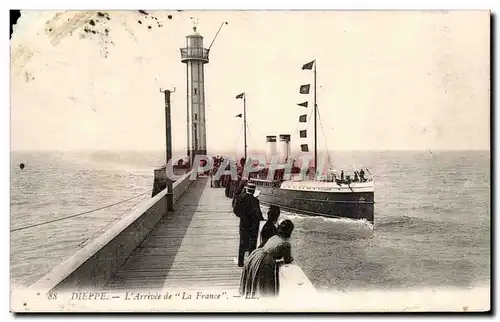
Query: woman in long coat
(260,274)
(270,229)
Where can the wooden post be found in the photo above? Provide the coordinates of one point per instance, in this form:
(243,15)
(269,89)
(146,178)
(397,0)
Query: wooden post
(168,132)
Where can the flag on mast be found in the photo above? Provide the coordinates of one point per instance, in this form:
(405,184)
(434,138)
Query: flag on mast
(304,89)
(304,148)
(240,95)
(239,115)
(303,133)
(303,118)
(309,65)
(303,104)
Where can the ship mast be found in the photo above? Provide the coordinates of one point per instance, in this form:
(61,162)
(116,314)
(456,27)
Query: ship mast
(245,124)
(243,96)
(305,89)
(315,123)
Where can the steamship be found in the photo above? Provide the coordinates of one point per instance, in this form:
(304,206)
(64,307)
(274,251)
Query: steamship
(304,192)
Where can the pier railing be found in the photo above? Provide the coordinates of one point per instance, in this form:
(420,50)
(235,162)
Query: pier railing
(293,281)
(93,265)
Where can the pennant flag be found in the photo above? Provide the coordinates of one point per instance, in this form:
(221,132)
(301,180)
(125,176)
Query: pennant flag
(239,115)
(303,133)
(240,95)
(303,118)
(304,148)
(304,89)
(309,65)
(303,104)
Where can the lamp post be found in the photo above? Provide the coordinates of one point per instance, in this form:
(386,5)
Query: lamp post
(168,133)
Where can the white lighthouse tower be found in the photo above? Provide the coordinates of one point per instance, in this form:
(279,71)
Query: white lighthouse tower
(195,57)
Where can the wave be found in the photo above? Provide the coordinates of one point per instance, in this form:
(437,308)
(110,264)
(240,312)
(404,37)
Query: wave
(328,228)
(425,226)
(343,221)
(19,203)
(399,221)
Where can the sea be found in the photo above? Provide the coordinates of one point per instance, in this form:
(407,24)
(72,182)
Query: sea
(432,217)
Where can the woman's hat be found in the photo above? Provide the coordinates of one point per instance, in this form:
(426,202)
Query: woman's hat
(285,228)
(274,209)
(273,212)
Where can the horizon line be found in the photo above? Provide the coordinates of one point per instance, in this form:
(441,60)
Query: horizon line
(250,151)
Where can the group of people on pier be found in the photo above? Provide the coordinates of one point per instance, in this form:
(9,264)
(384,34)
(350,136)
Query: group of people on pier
(259,277)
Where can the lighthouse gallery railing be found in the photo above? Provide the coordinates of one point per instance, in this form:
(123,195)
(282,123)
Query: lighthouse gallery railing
(194,53)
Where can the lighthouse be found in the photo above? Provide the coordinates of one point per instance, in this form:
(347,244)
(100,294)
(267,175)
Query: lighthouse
(195,57)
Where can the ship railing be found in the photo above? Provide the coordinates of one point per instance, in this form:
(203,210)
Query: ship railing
(327,179)
(266,183)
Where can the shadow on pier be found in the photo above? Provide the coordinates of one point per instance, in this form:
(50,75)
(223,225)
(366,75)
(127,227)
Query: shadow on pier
(150,263)
(193,246)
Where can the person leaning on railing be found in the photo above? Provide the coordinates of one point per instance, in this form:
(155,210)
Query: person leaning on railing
(260,275)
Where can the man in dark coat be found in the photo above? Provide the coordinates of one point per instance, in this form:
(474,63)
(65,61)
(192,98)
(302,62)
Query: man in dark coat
(235,184)
(228,180)
(247,208)
(227,184)
(240,187)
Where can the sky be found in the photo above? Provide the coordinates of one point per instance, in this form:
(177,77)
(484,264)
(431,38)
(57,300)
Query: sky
(386,80)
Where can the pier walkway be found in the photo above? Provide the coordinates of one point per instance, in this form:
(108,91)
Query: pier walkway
(193,246)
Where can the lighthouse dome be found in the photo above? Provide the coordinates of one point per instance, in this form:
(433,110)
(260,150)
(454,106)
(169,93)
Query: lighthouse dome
(194,33)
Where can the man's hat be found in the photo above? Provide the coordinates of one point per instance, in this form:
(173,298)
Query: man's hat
(251,189)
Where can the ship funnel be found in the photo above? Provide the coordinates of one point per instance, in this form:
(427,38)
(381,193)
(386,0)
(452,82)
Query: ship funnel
(284,147)
(271,146)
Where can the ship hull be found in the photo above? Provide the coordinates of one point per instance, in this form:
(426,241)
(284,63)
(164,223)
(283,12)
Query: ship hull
(352,205)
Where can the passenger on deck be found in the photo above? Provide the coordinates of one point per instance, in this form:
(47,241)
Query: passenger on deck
(342,175)
(260,276)
(269,229)
(356,177)
(362,175)
(247,208)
